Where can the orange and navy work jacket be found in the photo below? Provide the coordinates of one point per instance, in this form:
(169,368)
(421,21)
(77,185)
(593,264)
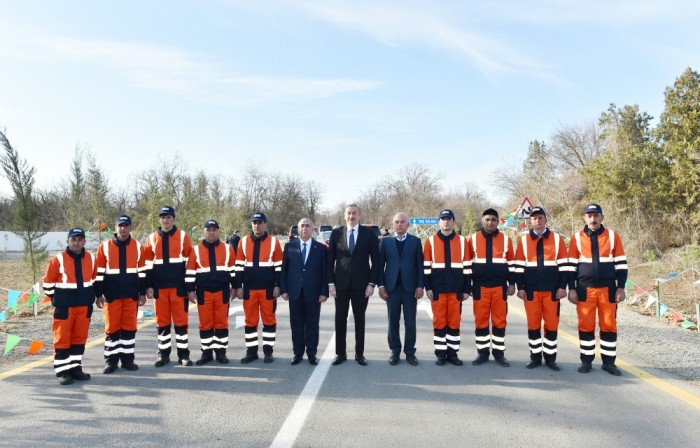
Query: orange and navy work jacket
(489,260)
(541,263)
(444,264)
(211,268)
(69,279)
(597,260)
(166,259)
(121,269)
(258,264)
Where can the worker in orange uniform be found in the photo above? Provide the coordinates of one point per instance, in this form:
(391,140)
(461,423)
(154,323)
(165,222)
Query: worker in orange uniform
(490,268)
(167,251)
(446,286)
(541,265)
(597,285)
(258,269)
(120,287)
(68,281)
(210,281)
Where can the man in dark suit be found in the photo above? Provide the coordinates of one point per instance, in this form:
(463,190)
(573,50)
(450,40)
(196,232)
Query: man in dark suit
(304,284)
(401,286)
(351,279)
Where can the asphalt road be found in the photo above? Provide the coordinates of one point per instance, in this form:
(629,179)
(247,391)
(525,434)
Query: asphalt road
(261,405)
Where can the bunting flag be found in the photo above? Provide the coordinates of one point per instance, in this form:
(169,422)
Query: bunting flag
(139,315)
(628,283)
(35,347)
(636,297)
(663,308)
(12,341)
(25,297)
(3,316)
(46,299)
(662,280)
(687,324)
(672,274)
(650,301)
(32,298)
(676,317)
(12,297)
(696,282)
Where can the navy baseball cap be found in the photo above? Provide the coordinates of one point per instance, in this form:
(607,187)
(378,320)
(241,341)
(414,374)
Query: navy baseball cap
(538,211)
(76,231)
(211,223)
(446,214)
(167,210)
(258,217)
(123,220)
(593,208)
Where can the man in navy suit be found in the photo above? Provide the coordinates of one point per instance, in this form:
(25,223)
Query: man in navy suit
(401,286)
(304,284)
(351,279)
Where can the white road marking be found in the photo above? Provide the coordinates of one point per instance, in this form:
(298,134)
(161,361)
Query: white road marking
(287,435)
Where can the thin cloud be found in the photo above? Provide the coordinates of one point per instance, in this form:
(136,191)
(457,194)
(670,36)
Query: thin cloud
(192,76)
(453,29)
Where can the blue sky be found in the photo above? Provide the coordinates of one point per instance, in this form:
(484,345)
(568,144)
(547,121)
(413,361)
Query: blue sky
(341,92)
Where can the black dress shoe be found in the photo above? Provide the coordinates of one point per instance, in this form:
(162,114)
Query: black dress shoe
(412,360)
(553,365)
(222,359)
(268,358)
(534,363)
(296,360)
(185,362)
(361,360)
(163,360)
(440,362)
(502,361)
(109,368)
(481,359)
(313,360)
(393,359)
(130,366)
(612,369)
(585,367)
(249,357)
(455,360)
(339,359)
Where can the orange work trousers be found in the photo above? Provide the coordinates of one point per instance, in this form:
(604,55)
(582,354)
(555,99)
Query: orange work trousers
(214,312)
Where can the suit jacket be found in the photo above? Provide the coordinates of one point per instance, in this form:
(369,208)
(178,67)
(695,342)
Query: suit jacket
(409,263)
(311,277)
(353,271)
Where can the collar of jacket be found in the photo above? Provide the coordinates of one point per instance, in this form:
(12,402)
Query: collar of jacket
(590,232)
(80,255)
(444,237)
(170,233)
(545,234)
(256,238)
(119,242)
(489,235)
(210,245)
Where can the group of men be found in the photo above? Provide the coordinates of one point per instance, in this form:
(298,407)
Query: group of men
(449,269)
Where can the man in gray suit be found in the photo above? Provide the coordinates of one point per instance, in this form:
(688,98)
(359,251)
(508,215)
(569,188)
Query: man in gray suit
(401,286)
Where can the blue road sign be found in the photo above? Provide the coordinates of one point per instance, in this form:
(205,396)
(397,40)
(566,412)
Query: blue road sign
(423,221)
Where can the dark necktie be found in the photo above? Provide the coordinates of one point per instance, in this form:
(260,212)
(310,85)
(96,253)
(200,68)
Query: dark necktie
(351,241)
(303,254)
